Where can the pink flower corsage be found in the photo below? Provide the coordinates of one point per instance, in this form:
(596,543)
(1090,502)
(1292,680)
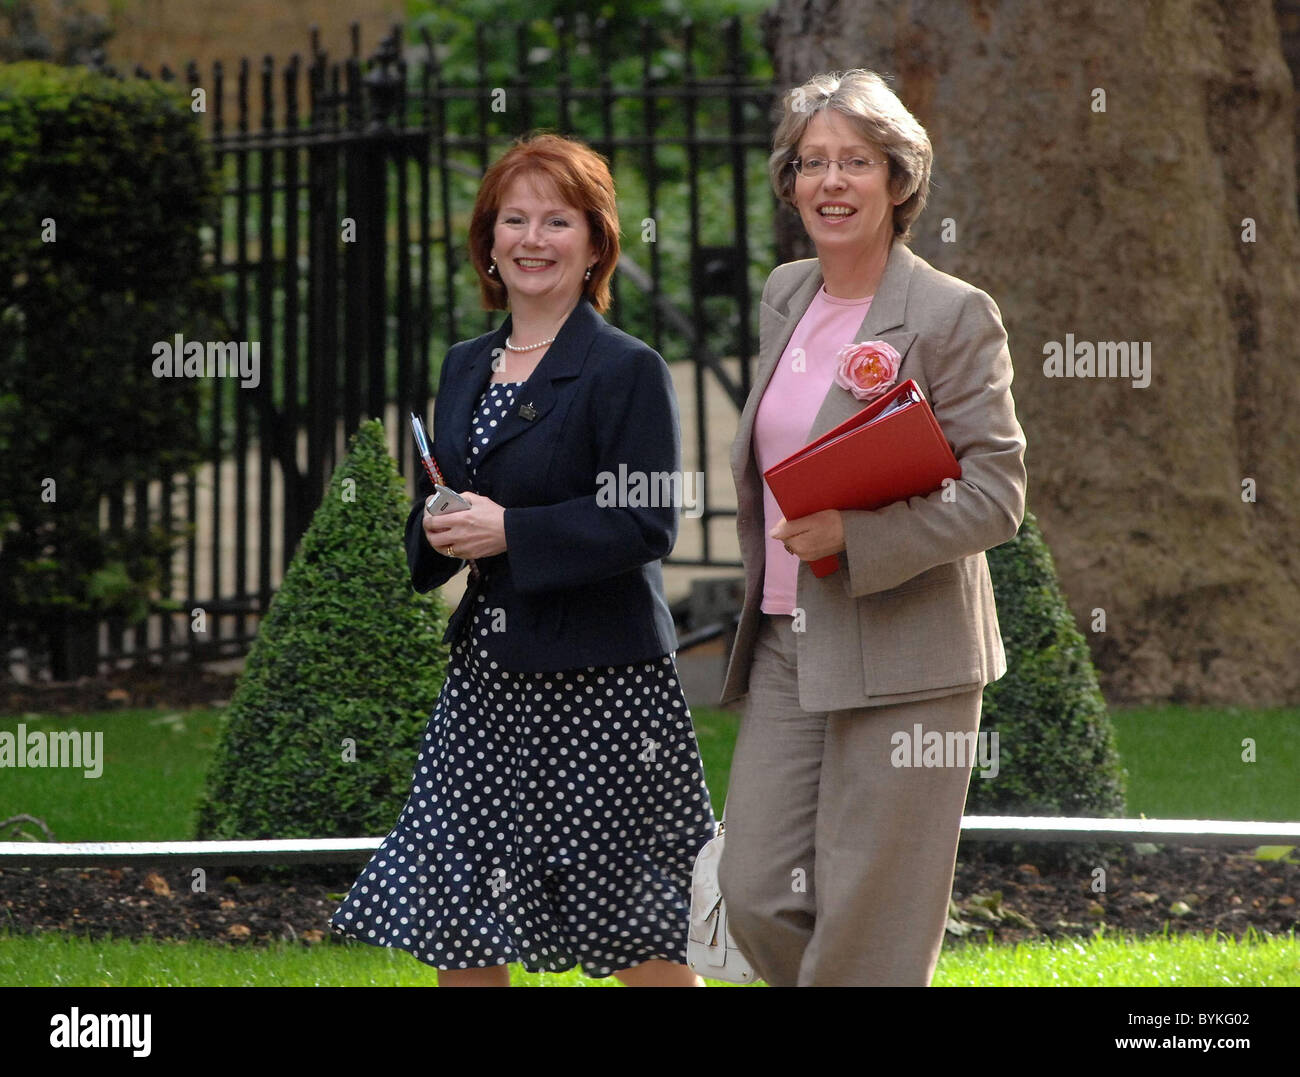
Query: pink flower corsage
(867,368)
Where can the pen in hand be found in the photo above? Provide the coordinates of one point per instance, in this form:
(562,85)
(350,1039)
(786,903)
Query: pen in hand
(431,469)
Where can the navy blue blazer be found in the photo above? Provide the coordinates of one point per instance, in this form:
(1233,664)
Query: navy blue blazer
(580,582)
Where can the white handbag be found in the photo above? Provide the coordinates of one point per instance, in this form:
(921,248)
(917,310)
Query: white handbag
(710,950)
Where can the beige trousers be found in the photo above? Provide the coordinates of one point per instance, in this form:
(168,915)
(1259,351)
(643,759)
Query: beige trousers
(838,865)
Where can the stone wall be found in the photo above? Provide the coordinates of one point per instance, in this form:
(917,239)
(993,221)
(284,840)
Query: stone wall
(154,32)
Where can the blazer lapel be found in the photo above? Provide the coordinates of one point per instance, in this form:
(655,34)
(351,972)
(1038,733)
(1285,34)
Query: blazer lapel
(454,414)
(777,322)
(776,327)
(884,321)
(537,396)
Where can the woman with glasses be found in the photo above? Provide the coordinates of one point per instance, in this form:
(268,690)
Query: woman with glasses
(839,858)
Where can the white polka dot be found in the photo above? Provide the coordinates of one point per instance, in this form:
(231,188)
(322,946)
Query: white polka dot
(504,876)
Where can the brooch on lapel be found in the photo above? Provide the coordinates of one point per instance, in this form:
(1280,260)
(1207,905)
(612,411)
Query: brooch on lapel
(867,368)
(527,411)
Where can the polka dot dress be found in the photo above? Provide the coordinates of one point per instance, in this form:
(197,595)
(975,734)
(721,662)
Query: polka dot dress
(554,818)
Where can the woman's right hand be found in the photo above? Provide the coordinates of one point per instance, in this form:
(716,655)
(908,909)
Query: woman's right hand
(473,532)
(429,532)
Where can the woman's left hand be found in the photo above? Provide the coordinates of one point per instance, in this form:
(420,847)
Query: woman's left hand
(811,537)
(478,531)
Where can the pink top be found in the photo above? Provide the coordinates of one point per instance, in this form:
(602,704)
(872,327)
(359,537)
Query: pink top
(787,411)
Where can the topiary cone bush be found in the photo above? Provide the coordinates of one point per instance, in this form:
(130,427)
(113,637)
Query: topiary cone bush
(324,728)
(1056,746)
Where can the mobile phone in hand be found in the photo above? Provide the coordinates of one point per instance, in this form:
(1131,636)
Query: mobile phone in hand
(444,500)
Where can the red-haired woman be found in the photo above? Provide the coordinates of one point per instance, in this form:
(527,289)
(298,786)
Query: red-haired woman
(559,801)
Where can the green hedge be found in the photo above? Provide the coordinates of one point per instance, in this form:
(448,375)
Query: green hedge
(348,662)
(1056,746)
(117,175)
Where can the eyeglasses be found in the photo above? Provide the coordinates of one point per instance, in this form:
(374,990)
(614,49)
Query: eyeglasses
(819,166)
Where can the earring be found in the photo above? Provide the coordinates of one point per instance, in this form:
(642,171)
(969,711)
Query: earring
(492,268)
(588,274)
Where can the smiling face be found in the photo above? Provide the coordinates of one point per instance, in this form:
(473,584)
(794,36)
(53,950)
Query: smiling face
(840,211)
(542,246)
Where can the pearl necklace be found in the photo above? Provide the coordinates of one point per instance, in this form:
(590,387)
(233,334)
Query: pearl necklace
(529,347)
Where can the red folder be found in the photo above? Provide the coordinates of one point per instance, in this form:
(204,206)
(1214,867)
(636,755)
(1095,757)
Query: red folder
(891,450)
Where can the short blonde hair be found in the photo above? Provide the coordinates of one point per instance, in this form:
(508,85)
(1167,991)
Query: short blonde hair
(882,118)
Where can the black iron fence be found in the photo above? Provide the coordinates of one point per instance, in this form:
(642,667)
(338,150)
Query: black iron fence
(341,242)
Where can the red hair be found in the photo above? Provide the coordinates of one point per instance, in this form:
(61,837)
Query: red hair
(580,177)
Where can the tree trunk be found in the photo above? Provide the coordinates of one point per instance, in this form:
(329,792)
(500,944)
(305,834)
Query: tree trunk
(1124,225)
(1288,18)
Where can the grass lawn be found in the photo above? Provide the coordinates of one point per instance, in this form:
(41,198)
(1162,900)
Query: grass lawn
(153,769)
(55,960)
(1186,762)
(1183,762)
